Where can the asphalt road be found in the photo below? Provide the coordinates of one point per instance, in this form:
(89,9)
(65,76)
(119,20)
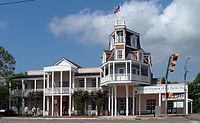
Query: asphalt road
(169,120)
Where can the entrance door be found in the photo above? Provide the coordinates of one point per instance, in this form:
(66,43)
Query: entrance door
(122,106)
(170,108)
(151,103)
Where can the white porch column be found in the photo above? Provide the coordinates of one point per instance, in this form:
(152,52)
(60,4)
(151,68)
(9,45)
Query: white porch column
(23,88)
(70,101)
(70,96)
(113,70)
(133,101)
(10,108)
(126,68)
(73,81)
(43,93)
(159,99)
(70,81)
(35,84)
(112,103)
(52,87)
(130,70)
(126,99)
(109,100)
(186,106)
(139,104)
(85,84)
(47,80)
(97,83)
(140,71)
(191,107)
(61,87)
(115,87)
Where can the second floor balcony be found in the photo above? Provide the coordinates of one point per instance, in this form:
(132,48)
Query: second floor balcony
(125,78)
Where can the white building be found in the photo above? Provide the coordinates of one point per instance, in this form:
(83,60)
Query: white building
(125,73)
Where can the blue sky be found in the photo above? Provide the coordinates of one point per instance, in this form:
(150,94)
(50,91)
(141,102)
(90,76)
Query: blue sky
(39,33)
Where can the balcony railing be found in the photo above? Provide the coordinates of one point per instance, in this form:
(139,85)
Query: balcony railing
(87,88)
(125,77)
(23,92)
(57,90)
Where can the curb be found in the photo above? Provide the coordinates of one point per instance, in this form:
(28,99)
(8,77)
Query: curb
(74,118)
(49,118)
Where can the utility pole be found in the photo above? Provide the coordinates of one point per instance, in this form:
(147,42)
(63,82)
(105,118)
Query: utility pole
(166,92)
(173,57)
(185,84)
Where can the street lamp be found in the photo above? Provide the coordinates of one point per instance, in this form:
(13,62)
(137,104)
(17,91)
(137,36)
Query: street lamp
(185,83)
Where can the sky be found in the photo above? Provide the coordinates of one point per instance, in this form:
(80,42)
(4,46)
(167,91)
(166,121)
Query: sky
(41,32)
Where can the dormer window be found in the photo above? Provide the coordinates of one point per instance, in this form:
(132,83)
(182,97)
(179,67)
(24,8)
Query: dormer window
(134,41)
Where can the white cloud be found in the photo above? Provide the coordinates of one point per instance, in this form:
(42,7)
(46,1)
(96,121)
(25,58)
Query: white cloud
(175,29)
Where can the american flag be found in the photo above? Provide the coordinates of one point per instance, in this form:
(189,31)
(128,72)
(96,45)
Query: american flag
(117,10)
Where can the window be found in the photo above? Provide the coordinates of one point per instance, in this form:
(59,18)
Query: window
(81,83)
(65,84)
(133,41)
(151,103)
(119,54)
(121,71)
(120,37)
(140,56)
(94,83)
(144,70)
(134,71)
(32,85)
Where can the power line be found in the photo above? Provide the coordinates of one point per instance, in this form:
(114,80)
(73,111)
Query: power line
(15,2)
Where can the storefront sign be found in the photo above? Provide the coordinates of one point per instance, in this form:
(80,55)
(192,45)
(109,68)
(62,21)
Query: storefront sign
(175,97)
(178,104)
(173,88)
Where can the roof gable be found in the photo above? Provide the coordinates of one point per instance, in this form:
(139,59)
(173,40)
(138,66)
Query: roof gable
(66,62)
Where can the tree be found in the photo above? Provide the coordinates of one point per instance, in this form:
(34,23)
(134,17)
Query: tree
(194,93)
(7,67)
(98,98)
(36,98)
(80,98)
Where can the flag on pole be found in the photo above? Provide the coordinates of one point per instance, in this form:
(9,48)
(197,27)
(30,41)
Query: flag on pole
(116,9)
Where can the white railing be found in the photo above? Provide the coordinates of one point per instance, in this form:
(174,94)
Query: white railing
(87,88)
(124,77)
(23,92)
(57,90)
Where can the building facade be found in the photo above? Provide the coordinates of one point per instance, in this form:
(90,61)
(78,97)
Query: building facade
(125,73)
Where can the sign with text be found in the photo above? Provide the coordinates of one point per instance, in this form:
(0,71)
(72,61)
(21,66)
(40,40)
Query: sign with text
(175,97)
(173,88)
(178,104)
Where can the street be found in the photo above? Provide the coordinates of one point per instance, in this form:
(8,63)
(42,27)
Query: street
(168,120)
